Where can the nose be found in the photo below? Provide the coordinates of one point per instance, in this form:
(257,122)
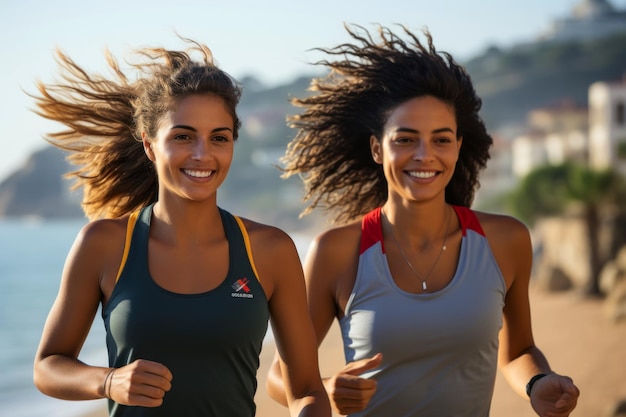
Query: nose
(201,150)
(422,151)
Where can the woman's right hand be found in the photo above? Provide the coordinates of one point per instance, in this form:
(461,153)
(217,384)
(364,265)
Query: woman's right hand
(348,392)
(140,383)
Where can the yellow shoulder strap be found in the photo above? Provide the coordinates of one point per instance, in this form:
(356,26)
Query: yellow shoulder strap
(246,240)
(132,219)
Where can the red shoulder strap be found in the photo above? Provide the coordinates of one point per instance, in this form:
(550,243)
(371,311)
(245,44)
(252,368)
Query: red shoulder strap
(468,220)
(371,230)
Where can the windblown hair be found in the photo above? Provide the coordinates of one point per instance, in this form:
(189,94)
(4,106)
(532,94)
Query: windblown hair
(331,151)
(104,119)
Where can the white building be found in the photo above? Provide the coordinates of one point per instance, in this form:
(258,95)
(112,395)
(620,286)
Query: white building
(607,125)
(594,136)
(555,134)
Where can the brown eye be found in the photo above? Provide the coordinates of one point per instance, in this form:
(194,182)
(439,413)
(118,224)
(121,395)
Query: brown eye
(182,136)
(220,138)
(403,139)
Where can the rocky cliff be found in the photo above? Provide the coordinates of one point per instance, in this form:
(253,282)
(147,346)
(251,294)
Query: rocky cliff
(38,188)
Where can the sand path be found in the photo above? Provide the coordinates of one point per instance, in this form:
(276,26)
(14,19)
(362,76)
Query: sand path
(571,331)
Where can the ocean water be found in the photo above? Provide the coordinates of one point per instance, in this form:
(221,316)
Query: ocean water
(32,254)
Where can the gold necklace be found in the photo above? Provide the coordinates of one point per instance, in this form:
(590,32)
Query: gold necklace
(432,268)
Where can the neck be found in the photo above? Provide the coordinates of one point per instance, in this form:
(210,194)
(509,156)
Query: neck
(420,228)
(426,251)
(186,223)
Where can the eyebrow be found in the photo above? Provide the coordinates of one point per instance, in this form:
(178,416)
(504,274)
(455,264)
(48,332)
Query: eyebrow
(409,130)
(217,129)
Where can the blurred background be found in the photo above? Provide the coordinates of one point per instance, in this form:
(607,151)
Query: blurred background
(552,76)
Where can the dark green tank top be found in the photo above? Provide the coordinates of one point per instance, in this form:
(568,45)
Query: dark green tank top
(209,341)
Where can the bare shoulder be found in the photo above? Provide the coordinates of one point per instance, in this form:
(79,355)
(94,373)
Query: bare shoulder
(331,266)
(335,241)
(101,234)
(100,229)
(511,245)
(265,237)
(333,256)
(501,229)
(274,255)
(96,254)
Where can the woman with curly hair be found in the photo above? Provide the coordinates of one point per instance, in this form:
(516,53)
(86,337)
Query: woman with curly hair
(186,288)
(430,295)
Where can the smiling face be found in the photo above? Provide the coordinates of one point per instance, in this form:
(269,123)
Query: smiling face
(193,148)
(419,149)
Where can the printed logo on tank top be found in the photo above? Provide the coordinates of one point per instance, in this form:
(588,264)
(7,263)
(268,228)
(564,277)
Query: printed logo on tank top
(241,289)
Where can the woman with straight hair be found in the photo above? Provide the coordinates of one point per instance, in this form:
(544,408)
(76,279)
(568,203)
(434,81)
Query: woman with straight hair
(185,287)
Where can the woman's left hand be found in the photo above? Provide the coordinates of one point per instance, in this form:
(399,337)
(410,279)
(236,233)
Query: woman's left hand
(554,396)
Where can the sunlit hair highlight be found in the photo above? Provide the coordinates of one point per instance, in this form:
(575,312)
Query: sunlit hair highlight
(104,118)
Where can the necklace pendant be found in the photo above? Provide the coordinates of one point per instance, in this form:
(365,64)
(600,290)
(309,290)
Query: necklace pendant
(424,288)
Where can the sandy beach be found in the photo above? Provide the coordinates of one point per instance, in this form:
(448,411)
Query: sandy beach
(572,332)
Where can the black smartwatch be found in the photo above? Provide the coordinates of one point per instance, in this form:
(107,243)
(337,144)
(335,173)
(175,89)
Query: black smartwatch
(532,381)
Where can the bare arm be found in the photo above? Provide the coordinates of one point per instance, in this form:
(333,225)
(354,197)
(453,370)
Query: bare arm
(519,358)
(330,269)
(57,370)
(323,315)
(88,277)
(277,260)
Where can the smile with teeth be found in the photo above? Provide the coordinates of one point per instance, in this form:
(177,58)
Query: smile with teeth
(422,174)
(198,174)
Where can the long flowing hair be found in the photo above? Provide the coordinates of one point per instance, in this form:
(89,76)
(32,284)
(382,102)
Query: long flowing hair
(104,118)
(367,80)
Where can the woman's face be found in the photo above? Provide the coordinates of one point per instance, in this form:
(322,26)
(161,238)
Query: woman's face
(193,148)
(419,149)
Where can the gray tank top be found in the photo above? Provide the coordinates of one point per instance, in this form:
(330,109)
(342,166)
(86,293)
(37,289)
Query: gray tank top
(209,341)
(439,349)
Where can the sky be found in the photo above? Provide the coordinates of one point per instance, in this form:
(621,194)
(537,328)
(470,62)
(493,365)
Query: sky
(269,39)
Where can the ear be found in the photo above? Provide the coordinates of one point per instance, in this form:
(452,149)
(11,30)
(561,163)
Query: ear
(147,146)
(376,149)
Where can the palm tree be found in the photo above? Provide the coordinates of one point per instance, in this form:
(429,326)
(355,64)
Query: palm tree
(553,189)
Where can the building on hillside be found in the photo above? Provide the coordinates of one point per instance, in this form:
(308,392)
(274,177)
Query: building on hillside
(595,135)
(607,125)
(555,134)
(589,19)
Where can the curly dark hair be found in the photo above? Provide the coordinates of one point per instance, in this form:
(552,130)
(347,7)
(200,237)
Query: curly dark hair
(331,150)
(104,119)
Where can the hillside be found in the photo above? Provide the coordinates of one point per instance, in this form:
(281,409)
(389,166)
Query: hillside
(511,82)
(536,75)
